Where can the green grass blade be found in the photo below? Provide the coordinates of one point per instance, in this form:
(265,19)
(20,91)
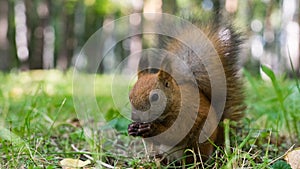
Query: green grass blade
(280,96)
(294,73)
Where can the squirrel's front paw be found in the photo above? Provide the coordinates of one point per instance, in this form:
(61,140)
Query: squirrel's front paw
(139,129)
(133,129)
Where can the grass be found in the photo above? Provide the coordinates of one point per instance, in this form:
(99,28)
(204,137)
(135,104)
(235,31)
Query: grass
(39,125)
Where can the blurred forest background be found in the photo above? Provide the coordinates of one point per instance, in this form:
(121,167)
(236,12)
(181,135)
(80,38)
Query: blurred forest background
(49,34)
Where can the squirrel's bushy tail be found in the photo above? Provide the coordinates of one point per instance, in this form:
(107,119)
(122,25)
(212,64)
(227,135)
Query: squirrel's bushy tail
(228,45)
(211,52)
(206,66)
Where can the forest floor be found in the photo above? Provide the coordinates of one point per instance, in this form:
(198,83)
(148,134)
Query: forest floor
(40,125)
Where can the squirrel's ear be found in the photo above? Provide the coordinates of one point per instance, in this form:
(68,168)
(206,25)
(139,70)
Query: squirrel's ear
(164,76)
(166,69)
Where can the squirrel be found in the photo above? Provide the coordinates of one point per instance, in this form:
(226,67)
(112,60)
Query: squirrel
(176,101)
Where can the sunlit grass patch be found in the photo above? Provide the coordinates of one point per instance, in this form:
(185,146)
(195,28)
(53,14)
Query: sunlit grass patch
(39,127)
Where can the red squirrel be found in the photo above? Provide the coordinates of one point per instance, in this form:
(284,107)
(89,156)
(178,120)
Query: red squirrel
(164,106)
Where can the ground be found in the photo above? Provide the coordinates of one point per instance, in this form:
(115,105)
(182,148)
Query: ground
(40,125)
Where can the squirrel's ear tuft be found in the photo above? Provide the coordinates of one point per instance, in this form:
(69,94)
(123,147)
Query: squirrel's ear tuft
(162,74)
(164,77)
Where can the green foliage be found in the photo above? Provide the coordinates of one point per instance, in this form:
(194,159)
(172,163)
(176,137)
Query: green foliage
(104,6)
(287,116)
(294,72)
(273,104)
(259,9)
(116,120)
(280,165)
(39,127)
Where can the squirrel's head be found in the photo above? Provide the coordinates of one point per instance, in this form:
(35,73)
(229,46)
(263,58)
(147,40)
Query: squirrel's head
(153,96)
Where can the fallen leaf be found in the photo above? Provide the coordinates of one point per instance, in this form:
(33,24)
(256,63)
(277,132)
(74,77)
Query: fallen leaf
(69,163)
(293,158)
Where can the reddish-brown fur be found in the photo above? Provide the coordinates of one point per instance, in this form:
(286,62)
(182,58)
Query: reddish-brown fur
(176,93)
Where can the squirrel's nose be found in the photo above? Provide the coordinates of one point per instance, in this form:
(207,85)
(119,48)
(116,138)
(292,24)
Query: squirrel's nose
(135,117)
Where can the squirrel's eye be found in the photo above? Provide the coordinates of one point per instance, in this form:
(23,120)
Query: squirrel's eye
(154,97)
(167,84)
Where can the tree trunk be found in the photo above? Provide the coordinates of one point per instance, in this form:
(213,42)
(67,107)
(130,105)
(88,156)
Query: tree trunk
(11,36)
(67,42)
(35,27)
(4,55)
